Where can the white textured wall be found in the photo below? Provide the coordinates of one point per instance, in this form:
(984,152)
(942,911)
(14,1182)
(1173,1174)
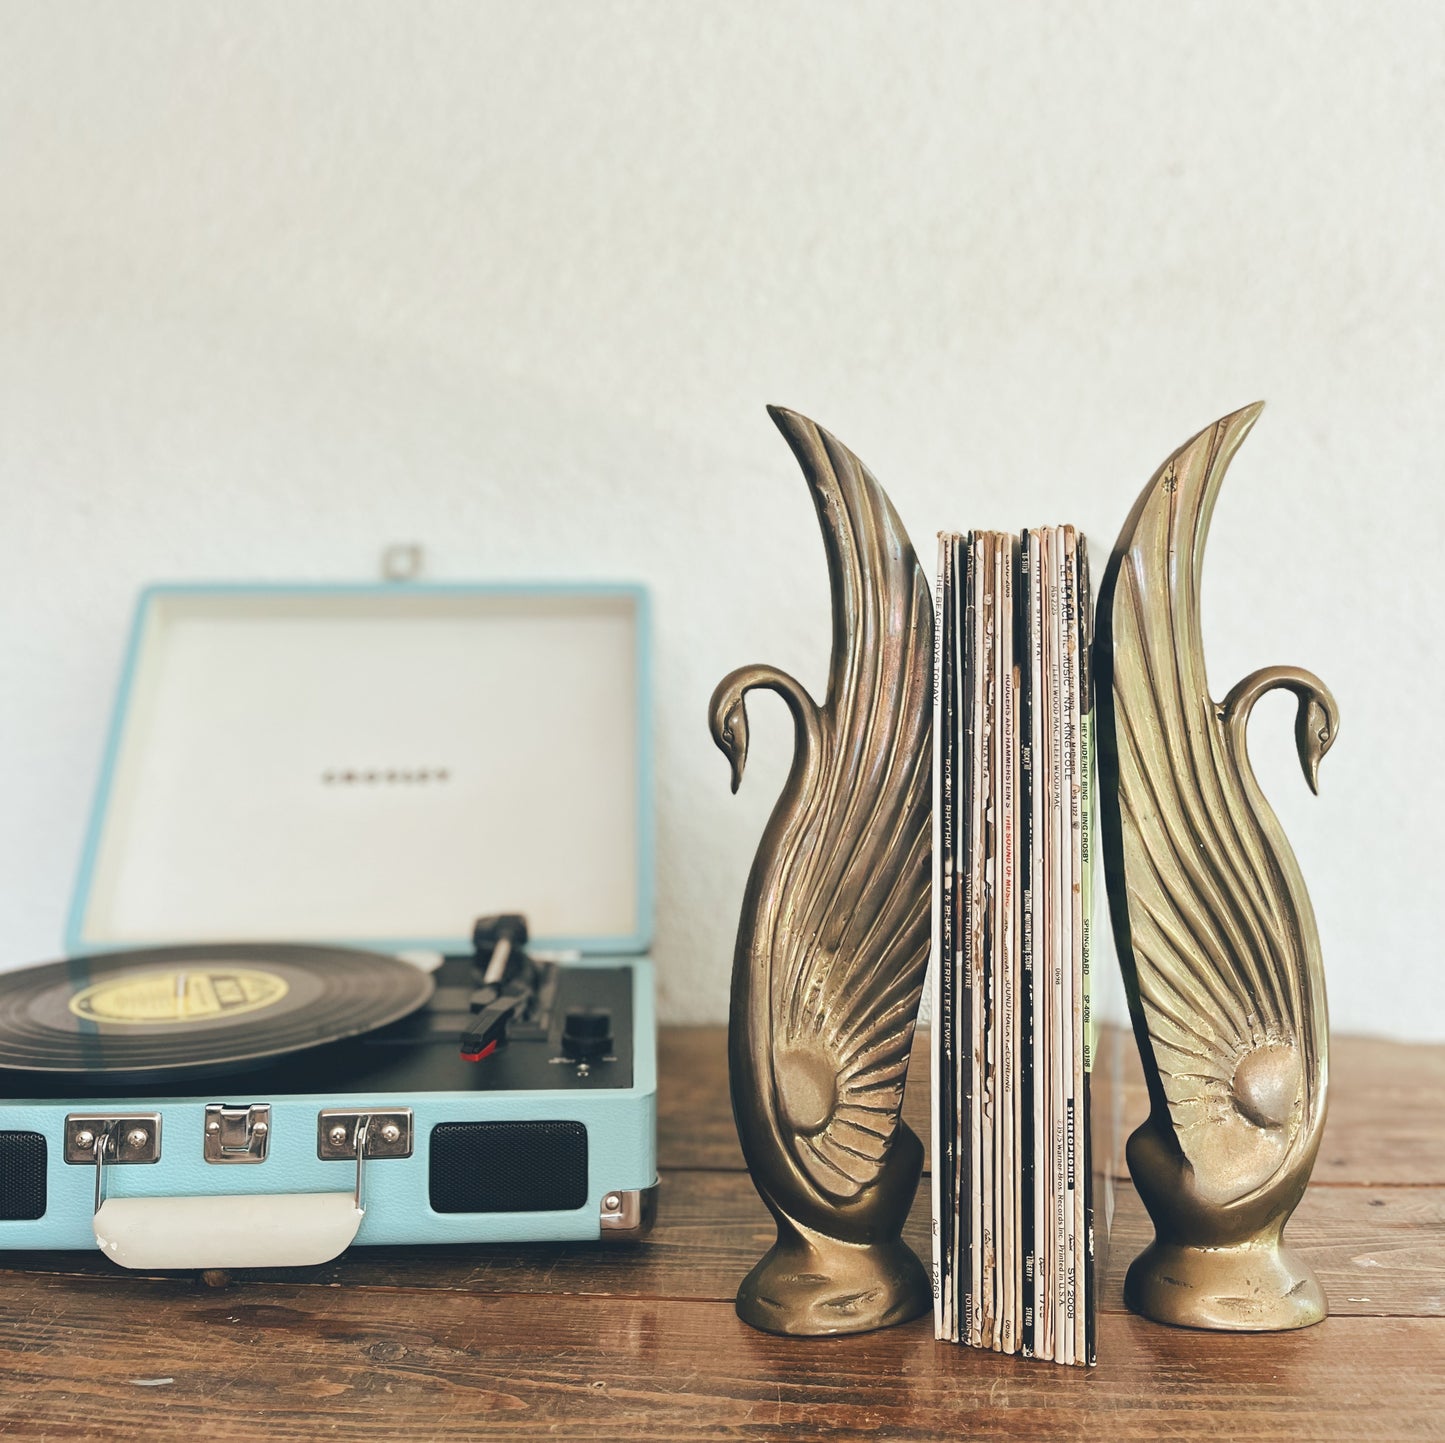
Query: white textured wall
(281,283)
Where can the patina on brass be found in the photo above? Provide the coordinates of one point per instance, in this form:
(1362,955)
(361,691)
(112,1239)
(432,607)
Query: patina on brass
(1214,927)
(834,936)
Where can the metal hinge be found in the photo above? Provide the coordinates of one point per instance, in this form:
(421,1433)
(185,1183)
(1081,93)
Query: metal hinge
(115,1138)
(388,1133)
(343,1133)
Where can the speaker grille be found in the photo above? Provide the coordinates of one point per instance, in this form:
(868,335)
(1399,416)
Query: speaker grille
(22,1176)
(508,1167)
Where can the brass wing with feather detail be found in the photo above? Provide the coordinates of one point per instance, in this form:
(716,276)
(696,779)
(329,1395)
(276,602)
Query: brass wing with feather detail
(1213,923)
(834,936)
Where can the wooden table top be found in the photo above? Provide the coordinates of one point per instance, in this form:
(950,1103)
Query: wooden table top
(591,1342)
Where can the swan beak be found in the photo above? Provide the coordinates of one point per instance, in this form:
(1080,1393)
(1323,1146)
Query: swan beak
(1315,730)
(737,759)
(735,742)
(729,722)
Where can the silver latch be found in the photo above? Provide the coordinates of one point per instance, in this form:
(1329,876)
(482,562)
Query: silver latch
(237,1132)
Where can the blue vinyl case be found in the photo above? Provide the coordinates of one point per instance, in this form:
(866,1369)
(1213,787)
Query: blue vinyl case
(372,766)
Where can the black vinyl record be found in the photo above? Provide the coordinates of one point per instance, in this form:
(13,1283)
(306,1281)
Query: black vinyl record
(175,1011)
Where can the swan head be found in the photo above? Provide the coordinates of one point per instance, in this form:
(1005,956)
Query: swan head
(1316,725)
(728,721)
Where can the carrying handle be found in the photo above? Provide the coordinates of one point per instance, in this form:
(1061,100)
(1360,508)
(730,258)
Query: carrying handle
(243,1230)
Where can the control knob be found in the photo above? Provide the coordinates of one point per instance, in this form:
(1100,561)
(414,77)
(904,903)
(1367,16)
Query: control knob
(587,1034)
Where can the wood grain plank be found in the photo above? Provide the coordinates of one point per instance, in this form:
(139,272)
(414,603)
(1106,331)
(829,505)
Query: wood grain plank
(694,1110)
(1384,1126)
(1387,1114)
(302,1363)
(1379,1252)
(1387,1100)
(642,1343)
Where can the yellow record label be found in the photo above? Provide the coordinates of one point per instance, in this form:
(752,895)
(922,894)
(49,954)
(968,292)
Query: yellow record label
(191,994)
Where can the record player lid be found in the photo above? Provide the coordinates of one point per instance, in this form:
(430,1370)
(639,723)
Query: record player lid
(376,766)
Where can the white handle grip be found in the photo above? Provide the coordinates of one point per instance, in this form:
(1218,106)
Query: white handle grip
(242,1230)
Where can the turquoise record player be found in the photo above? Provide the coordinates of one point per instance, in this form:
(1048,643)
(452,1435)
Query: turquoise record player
(253,1054)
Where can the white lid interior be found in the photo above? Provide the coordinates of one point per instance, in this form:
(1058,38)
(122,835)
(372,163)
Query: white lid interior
(380,765)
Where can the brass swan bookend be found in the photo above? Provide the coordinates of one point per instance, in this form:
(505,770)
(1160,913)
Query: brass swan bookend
(1213,925)
(834,935)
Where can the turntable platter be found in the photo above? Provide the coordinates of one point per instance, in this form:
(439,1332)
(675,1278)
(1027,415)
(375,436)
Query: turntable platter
(185,1010)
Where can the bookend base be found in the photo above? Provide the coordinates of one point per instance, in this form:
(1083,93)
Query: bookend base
(1254,1287)
(810,1285)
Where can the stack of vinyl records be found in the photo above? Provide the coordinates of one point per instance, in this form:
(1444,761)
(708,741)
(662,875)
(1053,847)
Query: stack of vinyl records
(1013,769)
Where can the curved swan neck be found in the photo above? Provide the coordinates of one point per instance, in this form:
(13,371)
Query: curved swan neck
(1237,706)
(799,703)
(807,720)
(1235,710)
(1316,722)
(750,1031)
